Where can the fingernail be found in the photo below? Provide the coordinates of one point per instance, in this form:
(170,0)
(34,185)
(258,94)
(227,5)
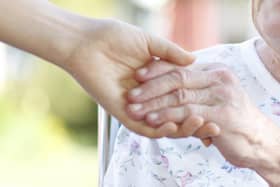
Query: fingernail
(142,71)
(135,92)
(153,116)
(135,107)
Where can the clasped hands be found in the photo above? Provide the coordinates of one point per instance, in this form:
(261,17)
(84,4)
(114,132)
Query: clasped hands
(167,96)
(202,100)
(165,99)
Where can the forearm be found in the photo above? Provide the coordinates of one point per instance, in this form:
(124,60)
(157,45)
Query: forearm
(266,158)
(40,28)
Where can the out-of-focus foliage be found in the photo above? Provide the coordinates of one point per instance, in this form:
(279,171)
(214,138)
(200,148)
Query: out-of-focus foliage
(51,92)
(48,124)
(45,120)
(47,91)
(96,8)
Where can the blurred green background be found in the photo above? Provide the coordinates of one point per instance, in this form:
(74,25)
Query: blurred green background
(48,124)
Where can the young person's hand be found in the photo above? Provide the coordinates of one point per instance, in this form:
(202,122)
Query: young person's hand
(106,62)
(101,55)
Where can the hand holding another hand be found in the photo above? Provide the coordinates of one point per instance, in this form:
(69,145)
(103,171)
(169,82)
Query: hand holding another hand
(174,95)
(105,62)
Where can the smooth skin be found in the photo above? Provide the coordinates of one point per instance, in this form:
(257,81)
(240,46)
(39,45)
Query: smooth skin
(102,55)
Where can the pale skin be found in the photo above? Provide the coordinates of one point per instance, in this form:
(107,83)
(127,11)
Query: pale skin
(213,89)
(97,53)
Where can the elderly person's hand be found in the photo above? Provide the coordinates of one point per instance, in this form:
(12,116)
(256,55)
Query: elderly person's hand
(247,139)
(193,125)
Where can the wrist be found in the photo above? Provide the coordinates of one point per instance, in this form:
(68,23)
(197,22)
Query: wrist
(67,32)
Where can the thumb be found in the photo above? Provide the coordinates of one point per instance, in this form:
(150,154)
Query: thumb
(168,51)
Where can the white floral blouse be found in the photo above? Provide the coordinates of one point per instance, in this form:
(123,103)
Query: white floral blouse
(141,162)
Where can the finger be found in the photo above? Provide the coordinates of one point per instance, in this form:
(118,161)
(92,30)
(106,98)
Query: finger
(167,129)
(154,69)
(189,126)
(210,129)
(176,98)
(206,141)
(193,126)
(178,114)
(206,132)
(168,51)
(179,78)
(143,129)
(138,111)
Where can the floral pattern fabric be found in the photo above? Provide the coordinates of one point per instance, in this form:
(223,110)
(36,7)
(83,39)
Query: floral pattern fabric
(139,161)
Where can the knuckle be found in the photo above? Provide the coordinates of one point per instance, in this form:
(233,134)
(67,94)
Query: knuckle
(181,96)
(180,75)
(201,96)
(225,76)
(156,104)
(224,92)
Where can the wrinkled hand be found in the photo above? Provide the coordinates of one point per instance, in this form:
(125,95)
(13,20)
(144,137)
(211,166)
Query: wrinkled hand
(193,125)
(105,63)
(212,92)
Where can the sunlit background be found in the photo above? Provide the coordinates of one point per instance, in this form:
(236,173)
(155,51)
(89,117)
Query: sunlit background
(48,125)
